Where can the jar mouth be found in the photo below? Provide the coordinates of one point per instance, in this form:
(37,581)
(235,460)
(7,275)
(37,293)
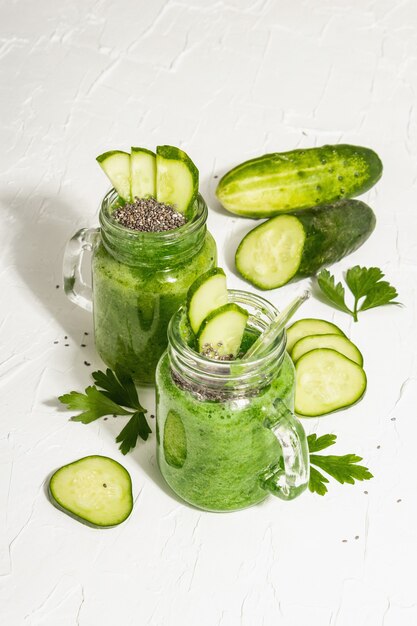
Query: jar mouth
(108,223)
(238,374)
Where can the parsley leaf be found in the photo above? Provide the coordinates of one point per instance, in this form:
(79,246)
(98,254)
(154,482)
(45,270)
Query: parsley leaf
(136,427)
(93,404)
(363,282)
(333,292)
(344,469)
(112,393)
(118,386)
(315,444)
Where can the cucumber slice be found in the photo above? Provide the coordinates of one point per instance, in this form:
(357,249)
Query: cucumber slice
(326,381)
(310,326)
(95,490)
(334,342)
(176,178)
(290,247)
(270,254)
(142,173)
(207,293)
(116,165)
(223,329)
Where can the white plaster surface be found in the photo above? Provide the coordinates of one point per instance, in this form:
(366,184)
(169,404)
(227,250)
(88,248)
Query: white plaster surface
(225,80)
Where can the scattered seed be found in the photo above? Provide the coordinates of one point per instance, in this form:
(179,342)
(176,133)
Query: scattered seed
(399,500)
(378,447)
(393,419)
(87,364)
(66,345)
(215,176)
(104,485)
(365,492)
(356,536)
(56,286)
(56,342)
(85,333)
(344,540)
(105,418)
(83,345)
(152,417)
(149,215)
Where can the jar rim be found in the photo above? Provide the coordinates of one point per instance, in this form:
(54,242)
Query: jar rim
(107,222)
(190,364)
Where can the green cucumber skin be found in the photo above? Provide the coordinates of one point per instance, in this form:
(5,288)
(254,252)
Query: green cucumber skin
(299,179)
(332,232)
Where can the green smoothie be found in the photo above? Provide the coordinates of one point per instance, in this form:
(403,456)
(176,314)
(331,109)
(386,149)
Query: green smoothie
(214,454)
(133,305)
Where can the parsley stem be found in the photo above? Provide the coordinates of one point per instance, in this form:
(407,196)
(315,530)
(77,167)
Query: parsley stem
(355,310)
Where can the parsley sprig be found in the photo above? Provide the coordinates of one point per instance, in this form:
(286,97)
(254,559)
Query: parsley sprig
(366,285)
(113,394)
(344,469)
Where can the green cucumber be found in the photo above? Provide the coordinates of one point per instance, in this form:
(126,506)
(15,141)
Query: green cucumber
(299,179)
(207,293)
(116,165)
(310,326)
(289,247)
(223,329)
(142,173)
(326,381)
(335,342)
(176,179)
(94,490)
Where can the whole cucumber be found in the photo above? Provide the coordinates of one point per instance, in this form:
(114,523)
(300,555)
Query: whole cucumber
(287,181)
(292,246)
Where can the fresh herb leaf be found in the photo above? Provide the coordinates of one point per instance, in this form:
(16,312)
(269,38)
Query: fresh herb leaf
(93,404)
(118,386)
(382,293)
(361,279)
(333,292)
(316,483)
(315,444)
(117,391)
(136,427)
(344,469)
(363,282)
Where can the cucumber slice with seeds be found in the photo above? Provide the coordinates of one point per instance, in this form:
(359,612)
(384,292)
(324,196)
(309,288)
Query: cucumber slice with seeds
(222,330)
(142,173)
(116,165)
(207,293)
(334,342)
(176,178)
(95,490)
(309,326)
(326,381)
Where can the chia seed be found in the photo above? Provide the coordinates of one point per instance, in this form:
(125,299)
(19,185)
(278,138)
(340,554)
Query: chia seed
(210,352)
(149,215)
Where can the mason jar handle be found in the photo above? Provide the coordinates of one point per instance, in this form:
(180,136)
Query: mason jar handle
(289,477)
(77,290)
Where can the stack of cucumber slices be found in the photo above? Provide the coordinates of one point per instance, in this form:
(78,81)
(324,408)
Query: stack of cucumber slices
(328,367)
(217,324)
(169,175)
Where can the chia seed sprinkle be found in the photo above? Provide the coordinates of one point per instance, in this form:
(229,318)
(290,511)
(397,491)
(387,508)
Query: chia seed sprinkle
(209,351)
(87,363)
(149,215)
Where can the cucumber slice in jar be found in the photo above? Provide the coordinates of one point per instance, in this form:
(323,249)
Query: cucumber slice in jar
(326,381)
(334,342)
(222,331)
(310,326)
(142,173)
(116,165)
(176,178)
(94,490)
(207,293)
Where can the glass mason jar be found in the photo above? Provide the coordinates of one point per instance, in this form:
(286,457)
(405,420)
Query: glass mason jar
(139,279)
(226,433)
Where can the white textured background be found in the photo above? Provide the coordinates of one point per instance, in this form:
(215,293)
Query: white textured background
(226,81)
